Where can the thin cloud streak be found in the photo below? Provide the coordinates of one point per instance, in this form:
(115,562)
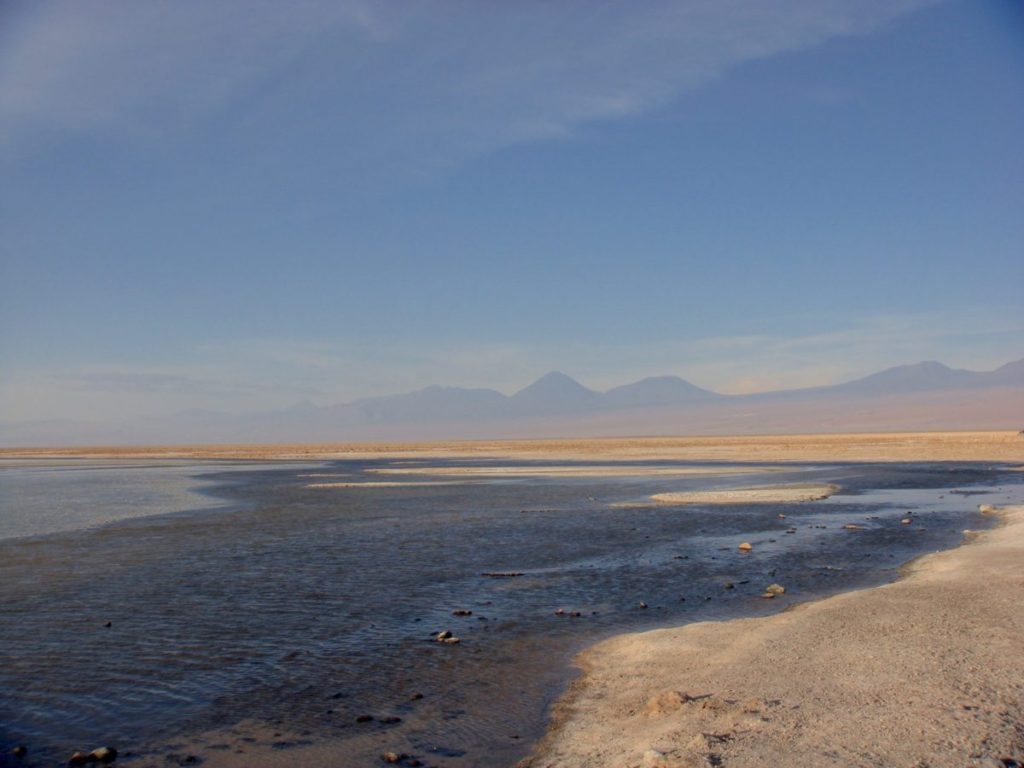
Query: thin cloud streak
(450,80)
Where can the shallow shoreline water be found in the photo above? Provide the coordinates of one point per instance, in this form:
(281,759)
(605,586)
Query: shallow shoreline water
(272,623)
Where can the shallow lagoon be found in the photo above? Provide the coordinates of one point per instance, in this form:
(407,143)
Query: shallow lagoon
(272,615)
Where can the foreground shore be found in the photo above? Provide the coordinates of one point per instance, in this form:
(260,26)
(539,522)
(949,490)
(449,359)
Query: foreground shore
(922,672)
(925,672)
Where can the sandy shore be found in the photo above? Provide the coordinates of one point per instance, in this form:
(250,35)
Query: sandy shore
(906,446)
(778,494)
(926,671)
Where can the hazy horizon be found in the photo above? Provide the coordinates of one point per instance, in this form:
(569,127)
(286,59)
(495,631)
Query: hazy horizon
(236,208)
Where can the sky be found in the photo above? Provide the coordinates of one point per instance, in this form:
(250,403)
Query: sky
(243,205)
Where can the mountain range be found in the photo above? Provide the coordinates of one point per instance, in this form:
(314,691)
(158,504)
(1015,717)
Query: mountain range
(922,396)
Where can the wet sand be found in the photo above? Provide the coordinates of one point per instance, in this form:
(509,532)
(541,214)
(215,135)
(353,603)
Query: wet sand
(575,471)
(922,672)
(386,484)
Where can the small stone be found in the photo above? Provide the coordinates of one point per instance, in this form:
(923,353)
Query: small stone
(667,702)
(853,527)
(730,585)
(104,754)
(109,624)
(775,589)
(781,516)
(462,612)
(746,546)
(560,612)
(906,521)
(20,751)
(416,697)
(392,720)
(653,758)
(575,614)
(364,719)
(393,757)
(78,758)
(444,635)
(643,604)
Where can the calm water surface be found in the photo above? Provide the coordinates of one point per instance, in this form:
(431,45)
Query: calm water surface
(249,611)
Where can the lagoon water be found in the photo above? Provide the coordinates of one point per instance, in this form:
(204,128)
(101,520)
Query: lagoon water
(252,616)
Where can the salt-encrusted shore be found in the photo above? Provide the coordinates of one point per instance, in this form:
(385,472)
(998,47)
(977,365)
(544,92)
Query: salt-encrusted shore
(927,671)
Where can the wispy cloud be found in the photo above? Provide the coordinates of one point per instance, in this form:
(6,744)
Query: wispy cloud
(448,79)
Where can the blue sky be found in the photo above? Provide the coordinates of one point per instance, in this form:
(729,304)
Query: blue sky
(238,205)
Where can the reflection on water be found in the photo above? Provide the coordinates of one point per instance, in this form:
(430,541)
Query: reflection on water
(301,609)
(39,496)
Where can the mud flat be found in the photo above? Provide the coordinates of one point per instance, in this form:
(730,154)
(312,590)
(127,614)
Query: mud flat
(385,484)
(574,471)
(921,672)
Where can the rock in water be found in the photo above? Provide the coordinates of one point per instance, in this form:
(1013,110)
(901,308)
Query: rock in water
(104,755)
(78,758)
(746,546)
(775,589)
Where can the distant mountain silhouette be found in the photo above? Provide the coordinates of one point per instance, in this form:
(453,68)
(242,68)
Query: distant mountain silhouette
(432,403)
(918,377)
(657,390)
(1009,375)
(553,392)
(926,395)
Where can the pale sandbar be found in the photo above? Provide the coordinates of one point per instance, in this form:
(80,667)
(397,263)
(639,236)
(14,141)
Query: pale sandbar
(782,494)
